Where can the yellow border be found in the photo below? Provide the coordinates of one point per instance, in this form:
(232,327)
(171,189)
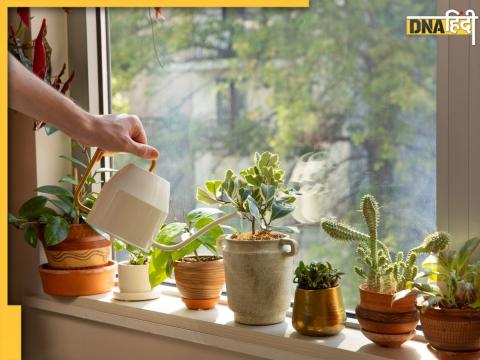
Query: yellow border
(10,316)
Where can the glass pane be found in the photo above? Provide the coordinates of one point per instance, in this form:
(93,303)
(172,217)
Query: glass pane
(338,90)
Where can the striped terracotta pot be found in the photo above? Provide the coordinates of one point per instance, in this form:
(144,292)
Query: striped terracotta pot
(200,283)
(82,248)
(454,330)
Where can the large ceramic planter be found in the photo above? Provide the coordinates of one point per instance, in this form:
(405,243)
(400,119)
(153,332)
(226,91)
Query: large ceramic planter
(200,283)
(82,248)
(258,276)
(318,312)
(454,330)
(78,282)
(385,322)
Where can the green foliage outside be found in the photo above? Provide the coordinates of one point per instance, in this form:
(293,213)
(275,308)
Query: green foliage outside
(340,72)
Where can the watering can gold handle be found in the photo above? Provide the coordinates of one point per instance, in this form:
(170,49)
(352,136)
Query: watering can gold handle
(96,157)
(200,232)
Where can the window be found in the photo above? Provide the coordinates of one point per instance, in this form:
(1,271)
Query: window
(335,89)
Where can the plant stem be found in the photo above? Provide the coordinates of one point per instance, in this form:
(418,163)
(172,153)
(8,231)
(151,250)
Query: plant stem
(253,225)
(196,255)
(77,210)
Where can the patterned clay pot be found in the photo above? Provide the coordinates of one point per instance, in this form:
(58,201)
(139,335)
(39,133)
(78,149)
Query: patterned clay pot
(455,330)
(200,283)
(384,322)
(258,276)
(78,282)
(83,248)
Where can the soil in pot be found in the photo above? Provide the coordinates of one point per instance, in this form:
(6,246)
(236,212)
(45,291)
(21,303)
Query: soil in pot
(83,248)
(200,280)
(452,330)
(384,322)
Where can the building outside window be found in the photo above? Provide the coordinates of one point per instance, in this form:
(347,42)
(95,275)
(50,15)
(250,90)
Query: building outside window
(337,90)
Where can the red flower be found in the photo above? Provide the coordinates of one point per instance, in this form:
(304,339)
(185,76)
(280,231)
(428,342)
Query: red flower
(66,85)
(40,54)
(159,13)
(24,13)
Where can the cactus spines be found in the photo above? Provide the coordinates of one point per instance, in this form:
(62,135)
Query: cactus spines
(383,271)
(434,243)
(341,231)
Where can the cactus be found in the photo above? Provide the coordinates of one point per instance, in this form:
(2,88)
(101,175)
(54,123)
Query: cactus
(381,272)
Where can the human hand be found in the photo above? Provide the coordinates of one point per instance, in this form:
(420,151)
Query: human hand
(118,133)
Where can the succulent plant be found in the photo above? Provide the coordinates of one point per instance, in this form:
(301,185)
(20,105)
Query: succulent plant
(381,272)
(457,283)
(316,276)
(257,193)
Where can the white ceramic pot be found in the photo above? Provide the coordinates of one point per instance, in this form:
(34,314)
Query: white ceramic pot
(133,278)
(258,276)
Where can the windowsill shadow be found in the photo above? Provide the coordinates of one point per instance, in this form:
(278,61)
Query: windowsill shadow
(279,329)
(403,352)
(332,341)
(204,315)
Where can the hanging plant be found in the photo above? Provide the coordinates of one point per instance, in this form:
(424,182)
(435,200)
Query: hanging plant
(18,46)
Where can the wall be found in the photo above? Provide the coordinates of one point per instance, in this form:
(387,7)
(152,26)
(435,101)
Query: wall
(51,337)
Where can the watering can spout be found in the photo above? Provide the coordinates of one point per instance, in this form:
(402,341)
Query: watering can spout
(132,206)
(195,235)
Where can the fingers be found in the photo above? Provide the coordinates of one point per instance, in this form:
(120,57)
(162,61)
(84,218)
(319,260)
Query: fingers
(144,151)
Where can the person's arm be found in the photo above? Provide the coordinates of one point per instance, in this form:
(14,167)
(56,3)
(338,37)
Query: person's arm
(114,133)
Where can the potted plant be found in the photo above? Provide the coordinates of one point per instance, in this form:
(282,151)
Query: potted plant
(133,278)
(450,307)
(200,278)
(382,321)
(257,267)
(318,307)
(69,242)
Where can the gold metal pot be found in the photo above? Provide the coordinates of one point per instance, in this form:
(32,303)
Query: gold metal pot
(318,312)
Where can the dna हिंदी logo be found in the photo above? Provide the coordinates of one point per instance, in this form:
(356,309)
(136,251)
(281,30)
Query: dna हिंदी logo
(453,23)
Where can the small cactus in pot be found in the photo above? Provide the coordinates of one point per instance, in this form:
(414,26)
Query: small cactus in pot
(383,274)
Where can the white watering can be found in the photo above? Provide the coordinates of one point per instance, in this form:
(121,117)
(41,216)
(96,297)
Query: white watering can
(133,205)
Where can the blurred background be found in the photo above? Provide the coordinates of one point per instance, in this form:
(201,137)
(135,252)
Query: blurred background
(337,90)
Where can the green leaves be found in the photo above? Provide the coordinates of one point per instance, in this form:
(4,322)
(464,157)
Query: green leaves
(466,252)
(33,207)
(279,210)
(204,197)
(56,230)
(73,160)
(30,234)
(196,214)
(55,190)
(255,193)
(316,276)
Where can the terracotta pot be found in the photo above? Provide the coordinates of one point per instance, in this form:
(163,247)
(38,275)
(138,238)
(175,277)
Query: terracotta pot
(258,276)
(318,312)
(133,278)
(384,322)
(83,248)
(78,282)
(200,283)
(452,329)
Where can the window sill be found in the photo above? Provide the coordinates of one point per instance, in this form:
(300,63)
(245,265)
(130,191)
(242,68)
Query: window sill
(167,316)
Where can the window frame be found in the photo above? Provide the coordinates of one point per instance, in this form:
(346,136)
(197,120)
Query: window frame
(458,86)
